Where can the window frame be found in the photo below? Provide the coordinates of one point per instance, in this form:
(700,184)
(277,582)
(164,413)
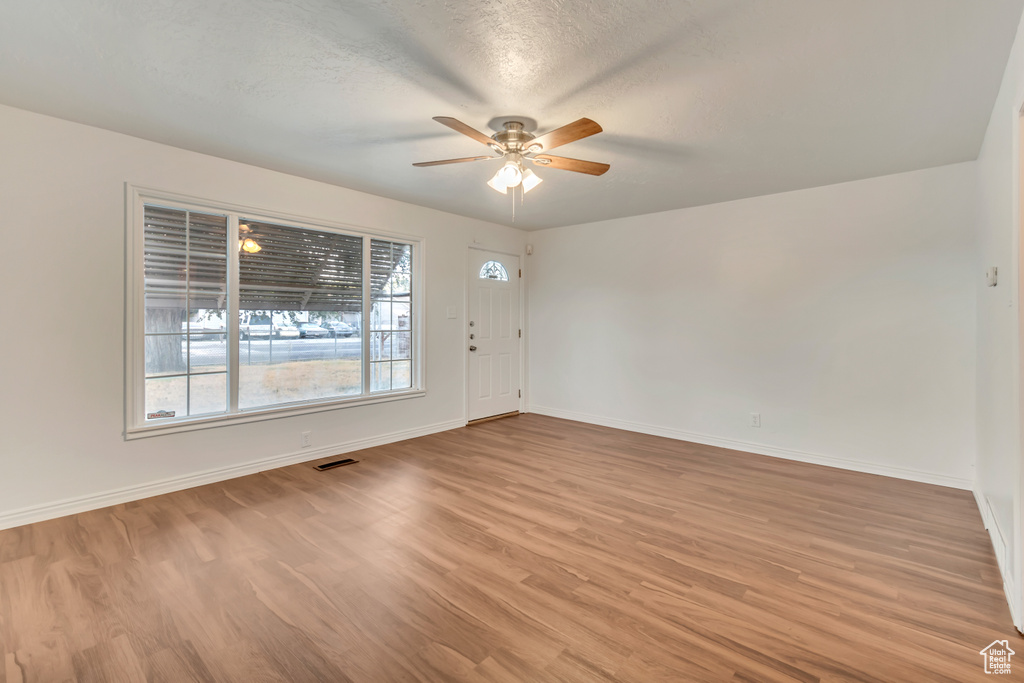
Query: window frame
(136,197)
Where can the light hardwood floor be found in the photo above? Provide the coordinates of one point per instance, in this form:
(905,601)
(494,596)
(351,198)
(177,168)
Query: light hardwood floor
(525,549)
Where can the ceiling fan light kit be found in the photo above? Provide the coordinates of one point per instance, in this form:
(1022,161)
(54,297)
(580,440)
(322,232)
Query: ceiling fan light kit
(513,175)
(516,145)
(512,172)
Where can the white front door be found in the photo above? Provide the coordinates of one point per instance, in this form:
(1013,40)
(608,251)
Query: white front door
(492,334)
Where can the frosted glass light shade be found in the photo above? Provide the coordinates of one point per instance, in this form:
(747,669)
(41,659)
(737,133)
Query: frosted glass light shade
(531,180)
(497,183)
(511,174)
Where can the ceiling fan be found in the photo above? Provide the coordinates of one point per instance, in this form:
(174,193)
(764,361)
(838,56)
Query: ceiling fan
(515,145)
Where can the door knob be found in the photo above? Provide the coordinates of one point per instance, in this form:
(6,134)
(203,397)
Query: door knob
(472,348)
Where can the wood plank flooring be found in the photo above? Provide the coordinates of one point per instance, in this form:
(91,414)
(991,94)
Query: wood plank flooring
(525,549)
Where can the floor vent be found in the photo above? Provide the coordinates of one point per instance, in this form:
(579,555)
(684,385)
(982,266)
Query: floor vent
(336,463)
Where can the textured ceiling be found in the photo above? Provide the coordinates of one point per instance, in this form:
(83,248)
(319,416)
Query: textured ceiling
(701,101)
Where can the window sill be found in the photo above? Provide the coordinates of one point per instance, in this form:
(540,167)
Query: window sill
(262,414)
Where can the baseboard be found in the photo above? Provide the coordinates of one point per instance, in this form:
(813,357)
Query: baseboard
(70,506)
(760,449)
(1002,559)
(992,525)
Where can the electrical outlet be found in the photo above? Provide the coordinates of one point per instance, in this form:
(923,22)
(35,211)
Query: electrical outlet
(306,439)
(755,419)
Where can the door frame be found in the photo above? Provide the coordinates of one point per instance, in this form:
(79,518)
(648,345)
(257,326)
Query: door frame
(464,338)
(1015,589)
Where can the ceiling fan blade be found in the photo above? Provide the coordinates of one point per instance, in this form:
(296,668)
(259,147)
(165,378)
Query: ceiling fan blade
(452,161)
(577,130)
(577,165)
(459,126)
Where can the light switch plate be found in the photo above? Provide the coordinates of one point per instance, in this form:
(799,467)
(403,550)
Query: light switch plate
(452,312)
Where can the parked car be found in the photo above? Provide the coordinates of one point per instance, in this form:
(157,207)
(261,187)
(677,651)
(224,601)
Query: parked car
(309,330)
(209,328)
(261,325)
(340,329)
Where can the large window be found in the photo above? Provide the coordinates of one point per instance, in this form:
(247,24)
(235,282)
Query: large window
(234,314)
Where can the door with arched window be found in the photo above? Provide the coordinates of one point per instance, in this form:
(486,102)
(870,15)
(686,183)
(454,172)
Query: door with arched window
(493,334)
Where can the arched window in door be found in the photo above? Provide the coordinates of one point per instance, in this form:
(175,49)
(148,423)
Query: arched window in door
(492,270)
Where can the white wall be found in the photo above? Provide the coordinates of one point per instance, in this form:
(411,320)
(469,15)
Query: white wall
(61,354)
(844,315)
(999,473)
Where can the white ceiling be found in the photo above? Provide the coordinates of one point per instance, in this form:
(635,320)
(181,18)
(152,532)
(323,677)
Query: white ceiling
(701,101)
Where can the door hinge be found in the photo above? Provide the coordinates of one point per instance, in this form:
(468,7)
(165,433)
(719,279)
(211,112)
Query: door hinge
(520,334)
(520,393)
(520,272)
